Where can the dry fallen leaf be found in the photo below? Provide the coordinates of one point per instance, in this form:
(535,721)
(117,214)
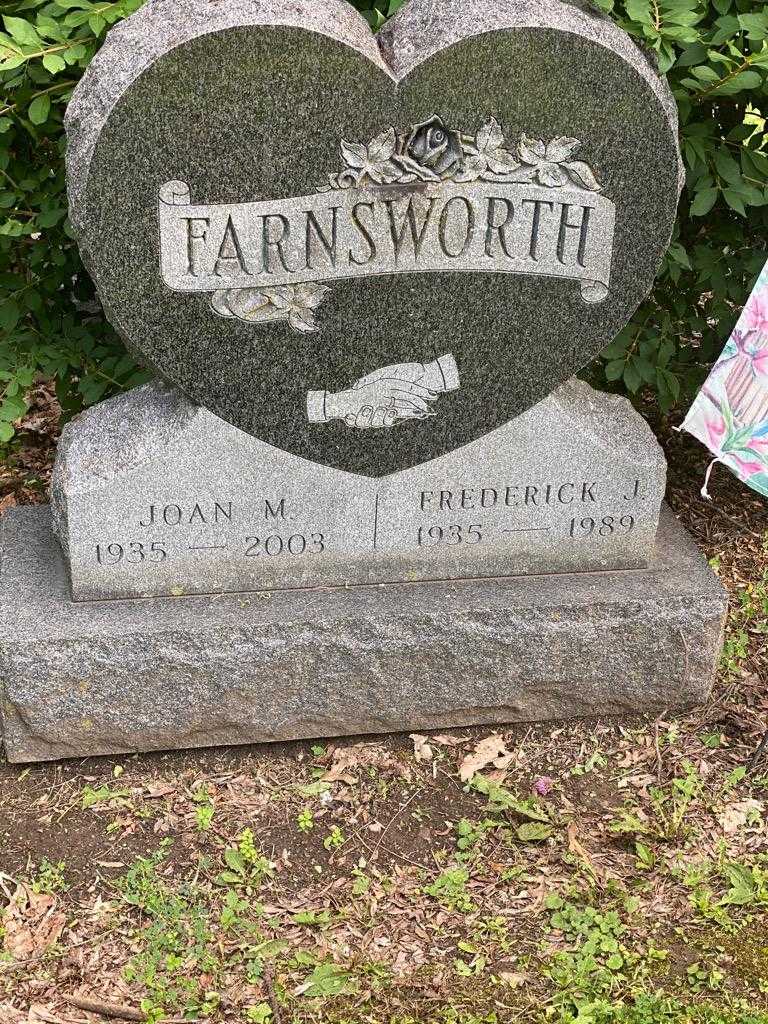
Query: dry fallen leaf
(39,1012)
(736,814)
(421,749)
(578,851)
(156,790)
(449,741)
(347,760)
(9,1015)
(488,751)
(32,923)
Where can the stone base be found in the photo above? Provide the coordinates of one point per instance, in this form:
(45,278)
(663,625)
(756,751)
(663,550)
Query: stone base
(117,676)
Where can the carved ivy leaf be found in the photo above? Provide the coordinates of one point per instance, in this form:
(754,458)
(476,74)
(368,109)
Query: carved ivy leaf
(385,172)
(282,298)
(310,296)
(551,175)
(532,151)
(303,321)
(489,136)
(220,305)
(253,301)
(501,161)
(561,149)
(382,147)
(474,166)
(523,175)
(354,154)
(581,174)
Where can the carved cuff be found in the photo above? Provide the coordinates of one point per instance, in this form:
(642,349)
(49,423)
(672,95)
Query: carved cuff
(316,412)
(450,372)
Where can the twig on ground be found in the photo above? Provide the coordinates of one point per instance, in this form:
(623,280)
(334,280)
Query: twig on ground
(393,853)
(397,814)
(269,981)
(762,748)
(741,528)
(657,747)
(12,965)
(105,1009)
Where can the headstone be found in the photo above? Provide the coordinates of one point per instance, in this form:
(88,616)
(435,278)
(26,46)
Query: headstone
(153,495)
(365,270)
(293,221)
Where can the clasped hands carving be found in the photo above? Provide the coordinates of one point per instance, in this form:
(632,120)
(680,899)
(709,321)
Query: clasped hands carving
(390,395)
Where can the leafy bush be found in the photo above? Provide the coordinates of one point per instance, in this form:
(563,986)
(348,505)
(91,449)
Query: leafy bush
(714,53)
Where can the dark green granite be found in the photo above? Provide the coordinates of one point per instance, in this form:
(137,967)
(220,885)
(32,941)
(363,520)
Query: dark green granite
(257,113)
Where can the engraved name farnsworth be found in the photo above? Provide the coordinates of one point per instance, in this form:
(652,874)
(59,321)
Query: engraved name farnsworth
(431,199)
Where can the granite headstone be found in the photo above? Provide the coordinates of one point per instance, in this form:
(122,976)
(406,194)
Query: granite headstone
(153,495)
(368,251)
(365,270)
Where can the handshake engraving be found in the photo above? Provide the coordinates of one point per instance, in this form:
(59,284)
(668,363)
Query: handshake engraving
(402,391)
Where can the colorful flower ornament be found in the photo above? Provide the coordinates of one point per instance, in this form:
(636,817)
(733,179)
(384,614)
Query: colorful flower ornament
(730,413)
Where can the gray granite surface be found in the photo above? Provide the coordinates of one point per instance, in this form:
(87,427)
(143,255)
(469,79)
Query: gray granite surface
(118,676)
(198,118)
(152,495)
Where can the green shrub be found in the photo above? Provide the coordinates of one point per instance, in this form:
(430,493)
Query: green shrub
(714,53)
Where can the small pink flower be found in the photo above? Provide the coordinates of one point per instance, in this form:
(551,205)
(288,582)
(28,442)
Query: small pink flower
(760,361)
(716,431)
(543,786)
(747,468)
(756,312)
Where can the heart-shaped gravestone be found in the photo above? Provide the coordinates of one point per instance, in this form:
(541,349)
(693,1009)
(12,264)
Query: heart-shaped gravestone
(365,250)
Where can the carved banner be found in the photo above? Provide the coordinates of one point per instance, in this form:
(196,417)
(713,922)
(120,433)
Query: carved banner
(390,212)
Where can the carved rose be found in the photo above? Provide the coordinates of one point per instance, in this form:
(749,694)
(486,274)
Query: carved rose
(434,146)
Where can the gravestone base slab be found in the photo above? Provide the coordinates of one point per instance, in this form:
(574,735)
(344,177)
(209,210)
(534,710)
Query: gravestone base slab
(109,677)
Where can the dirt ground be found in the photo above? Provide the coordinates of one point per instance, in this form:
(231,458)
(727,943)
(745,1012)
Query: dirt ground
(609,872)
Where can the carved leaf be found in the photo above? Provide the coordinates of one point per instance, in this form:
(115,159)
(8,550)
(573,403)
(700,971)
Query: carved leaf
(253,302)
(524,175)
(551,175)
(220,305)
(249,304)
(382,147)
(473,167)
(531,151)
(581,174)
(310,296)
(354,154)
(303,321)
(501,161)
(561,149)
(385,172)
(489,136)
(282,298)
(350,178)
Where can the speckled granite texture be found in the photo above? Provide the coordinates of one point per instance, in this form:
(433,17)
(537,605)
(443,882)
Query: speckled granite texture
(242,101)
(153,496)
(118,676)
